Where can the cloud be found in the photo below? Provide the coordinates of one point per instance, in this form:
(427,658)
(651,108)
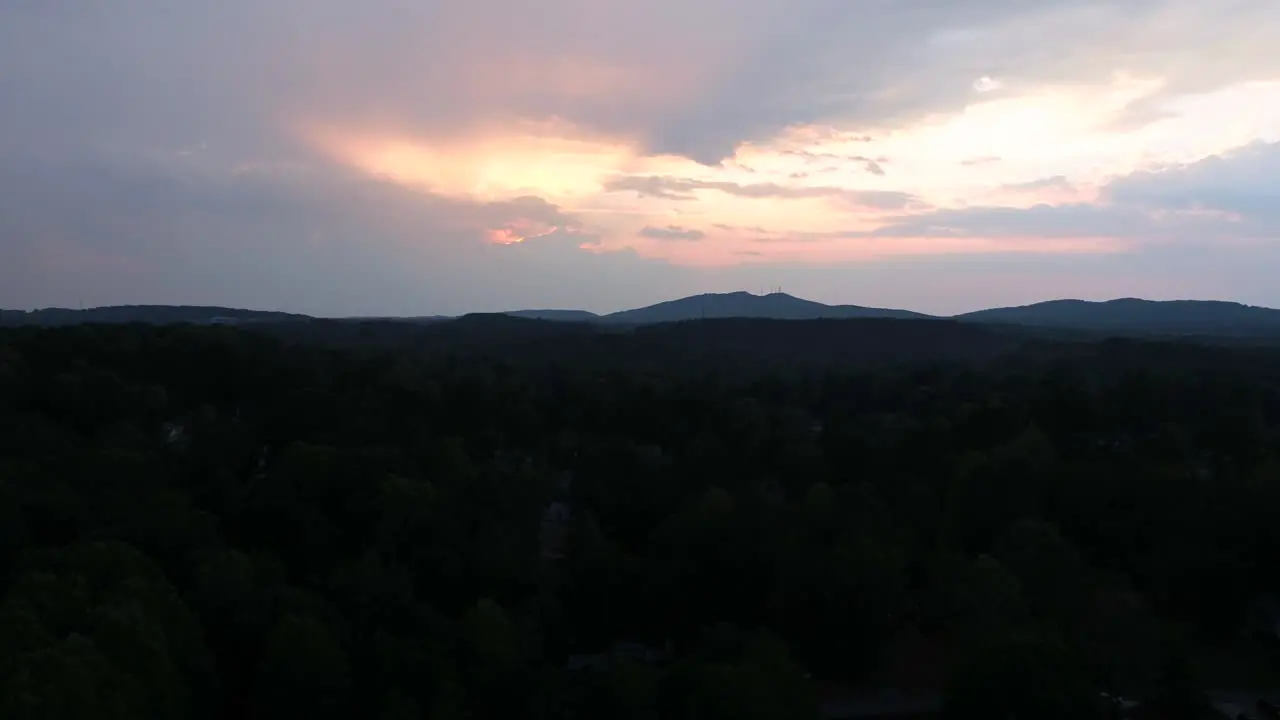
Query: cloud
(671,232)
(330,154)
(987,84)
(524,218)
(1214,200)
(725,72)
(883,200)
(1041,221)
(684,189)
(734,228)
(312,238)
(875,166)
(654,187)
(1057,182)
(1244,182)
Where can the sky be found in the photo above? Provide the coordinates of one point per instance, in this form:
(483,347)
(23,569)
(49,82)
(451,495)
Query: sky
(421,157)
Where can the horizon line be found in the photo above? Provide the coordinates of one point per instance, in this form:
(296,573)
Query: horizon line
(772,292)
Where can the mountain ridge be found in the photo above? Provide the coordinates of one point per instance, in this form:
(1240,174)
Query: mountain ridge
(559,315)
(773,306)
(153,314)
(1127,315)
(1188,317)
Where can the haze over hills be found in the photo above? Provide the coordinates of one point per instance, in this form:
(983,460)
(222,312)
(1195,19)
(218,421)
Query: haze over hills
(1121,316)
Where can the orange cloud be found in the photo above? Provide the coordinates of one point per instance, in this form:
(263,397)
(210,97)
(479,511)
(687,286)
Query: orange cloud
(546,161)
(826,190)
(517,231)
(628,195)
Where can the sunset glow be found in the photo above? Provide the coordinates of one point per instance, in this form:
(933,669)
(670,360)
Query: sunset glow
(455,146)
(812,193)
(487,167)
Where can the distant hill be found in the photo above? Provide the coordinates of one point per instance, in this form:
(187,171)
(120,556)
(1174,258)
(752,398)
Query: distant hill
(1131,315)
(775,306)
(149,314)
(558,315)
(1057,318)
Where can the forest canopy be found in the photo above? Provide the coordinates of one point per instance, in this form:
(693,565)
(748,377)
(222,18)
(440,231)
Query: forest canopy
(224,523)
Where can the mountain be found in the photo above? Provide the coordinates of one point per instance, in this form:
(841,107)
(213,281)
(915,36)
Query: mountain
(150,314)
(1057,318)
(1131,315)
(558,315)
(774,306)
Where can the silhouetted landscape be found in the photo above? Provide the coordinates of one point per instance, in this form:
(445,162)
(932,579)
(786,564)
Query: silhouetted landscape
(774,306)
(1127,316)
(153,314)
(1187,317)
(478,407)
(499,516)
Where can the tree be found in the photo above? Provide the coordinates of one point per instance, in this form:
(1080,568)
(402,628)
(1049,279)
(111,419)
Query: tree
(496,674)
(101,619)
(1021,677)
(72,679)
(1055,579)
(1177,694)
(739,677)
(304,672)
(343,493)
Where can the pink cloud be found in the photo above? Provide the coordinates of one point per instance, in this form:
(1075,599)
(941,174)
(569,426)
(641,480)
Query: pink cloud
(723,248)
